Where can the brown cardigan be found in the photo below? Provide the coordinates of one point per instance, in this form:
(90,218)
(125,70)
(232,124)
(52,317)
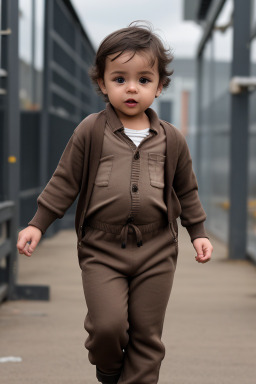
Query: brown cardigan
(78,166)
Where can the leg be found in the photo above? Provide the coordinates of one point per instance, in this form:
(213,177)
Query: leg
(106,321)
(149,293)
(106,295)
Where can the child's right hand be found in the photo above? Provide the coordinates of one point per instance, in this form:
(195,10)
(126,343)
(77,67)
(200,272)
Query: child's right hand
(28,240)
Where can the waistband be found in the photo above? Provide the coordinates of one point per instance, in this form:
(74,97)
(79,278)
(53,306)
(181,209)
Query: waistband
(128,227)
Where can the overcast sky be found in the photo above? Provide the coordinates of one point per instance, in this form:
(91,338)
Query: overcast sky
(101,17)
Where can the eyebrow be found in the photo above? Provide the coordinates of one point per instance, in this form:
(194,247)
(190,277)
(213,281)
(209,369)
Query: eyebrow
(140,73)
(146,73)
(118,73)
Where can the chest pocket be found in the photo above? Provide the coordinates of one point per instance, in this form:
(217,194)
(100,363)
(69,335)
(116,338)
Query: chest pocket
(104,171)
(156,164)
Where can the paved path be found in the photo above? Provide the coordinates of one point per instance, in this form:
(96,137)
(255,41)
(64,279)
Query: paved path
(210,325)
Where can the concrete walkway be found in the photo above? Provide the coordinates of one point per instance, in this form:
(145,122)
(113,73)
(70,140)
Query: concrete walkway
(210,325)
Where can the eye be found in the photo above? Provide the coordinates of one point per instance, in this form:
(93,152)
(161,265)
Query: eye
(143,80)
(119,80)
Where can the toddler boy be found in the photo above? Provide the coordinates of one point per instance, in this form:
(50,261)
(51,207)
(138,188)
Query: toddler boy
(134,177)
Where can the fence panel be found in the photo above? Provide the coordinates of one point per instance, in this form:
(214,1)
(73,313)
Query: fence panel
(8,256)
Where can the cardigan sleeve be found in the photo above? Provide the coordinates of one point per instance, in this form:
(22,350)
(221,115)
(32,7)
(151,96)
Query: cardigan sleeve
(63,187)
(186,188)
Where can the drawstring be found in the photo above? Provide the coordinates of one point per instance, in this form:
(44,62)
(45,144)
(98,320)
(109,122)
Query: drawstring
(124,234)
(123,229)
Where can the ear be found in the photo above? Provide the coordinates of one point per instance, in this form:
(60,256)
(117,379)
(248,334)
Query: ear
(101,84)
(159,89)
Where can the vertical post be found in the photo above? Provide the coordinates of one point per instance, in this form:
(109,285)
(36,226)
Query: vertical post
(238,185)
(0,35)
(184,117)
(12,261)
(47,95)
(44,148)
(12,117)
(198,143)
(78,43)
(11,127)
(33,51)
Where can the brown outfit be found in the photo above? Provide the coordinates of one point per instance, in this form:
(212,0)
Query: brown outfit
(130,179)
(127,291)
(77,169)
(129,196)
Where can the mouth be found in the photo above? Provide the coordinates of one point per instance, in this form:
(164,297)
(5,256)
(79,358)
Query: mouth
(131,102)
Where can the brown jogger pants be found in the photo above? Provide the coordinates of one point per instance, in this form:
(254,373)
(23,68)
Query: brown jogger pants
(126,292)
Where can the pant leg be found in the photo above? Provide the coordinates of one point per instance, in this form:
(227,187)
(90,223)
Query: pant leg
(149,293)
(106,293)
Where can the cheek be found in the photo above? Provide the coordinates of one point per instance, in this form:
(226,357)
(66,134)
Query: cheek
(115,90)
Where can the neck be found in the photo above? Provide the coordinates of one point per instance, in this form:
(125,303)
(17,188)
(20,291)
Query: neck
(135,122)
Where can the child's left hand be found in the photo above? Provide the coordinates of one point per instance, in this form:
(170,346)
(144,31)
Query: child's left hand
(203,249)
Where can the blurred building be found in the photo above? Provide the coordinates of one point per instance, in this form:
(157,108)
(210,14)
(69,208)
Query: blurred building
(224,138)
(45,91)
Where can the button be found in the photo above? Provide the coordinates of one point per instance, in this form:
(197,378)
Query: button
(137,156)
(80,243)
(135,188)
(130,219)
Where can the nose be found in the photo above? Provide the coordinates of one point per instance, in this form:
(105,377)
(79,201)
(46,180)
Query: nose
(131,87)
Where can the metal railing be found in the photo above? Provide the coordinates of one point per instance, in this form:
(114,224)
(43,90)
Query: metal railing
(3,32)
(9,289)
(8,254)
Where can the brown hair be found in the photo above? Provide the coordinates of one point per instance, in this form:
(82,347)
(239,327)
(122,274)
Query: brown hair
(134,38)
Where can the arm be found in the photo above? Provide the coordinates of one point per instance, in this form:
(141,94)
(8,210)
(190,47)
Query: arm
(63,187)
(185,185)
(192,214)
(57,196)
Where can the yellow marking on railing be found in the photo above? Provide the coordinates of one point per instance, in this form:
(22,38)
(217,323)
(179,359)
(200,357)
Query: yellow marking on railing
(12,159)
(251,206)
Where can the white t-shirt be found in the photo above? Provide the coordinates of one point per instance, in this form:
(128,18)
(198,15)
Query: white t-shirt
(136,135)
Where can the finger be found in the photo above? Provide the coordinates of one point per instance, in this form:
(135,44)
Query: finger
(24,252)
(23,247)
(199,256)
(207,252)
(32,246)
(26,249)
(21,244)
(204,259)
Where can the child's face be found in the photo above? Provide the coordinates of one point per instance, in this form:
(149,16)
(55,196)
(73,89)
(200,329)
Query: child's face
(131,84)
